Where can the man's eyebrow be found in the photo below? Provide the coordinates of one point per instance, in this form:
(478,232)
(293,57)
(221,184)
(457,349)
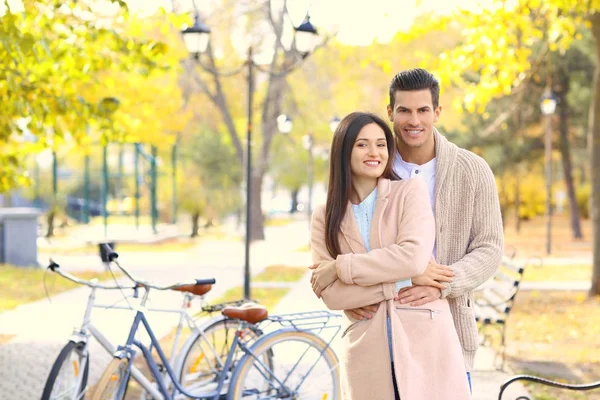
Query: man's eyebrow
(418,108)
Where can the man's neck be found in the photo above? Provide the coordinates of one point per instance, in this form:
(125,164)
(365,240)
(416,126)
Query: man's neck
(416,155)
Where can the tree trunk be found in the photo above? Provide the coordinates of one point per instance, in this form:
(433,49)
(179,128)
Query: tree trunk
(195,224)
(565,152)
(518,200)
(594,144)
(294,205)
(50,217)
(282,63)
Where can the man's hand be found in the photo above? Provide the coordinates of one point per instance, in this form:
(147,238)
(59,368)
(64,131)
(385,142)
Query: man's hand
(434,275)
(324,274)
(419,295)
(366,312)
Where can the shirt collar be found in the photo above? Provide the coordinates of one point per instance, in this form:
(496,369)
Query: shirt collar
(427,168)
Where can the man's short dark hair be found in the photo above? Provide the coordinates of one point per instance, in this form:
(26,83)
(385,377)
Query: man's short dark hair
(413,80)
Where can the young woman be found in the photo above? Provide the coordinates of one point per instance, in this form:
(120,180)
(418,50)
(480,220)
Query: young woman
(375,233)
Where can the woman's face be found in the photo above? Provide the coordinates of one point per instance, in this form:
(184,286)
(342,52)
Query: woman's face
(369,155)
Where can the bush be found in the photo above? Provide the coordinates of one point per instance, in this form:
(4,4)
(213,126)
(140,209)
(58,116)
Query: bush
(583,194)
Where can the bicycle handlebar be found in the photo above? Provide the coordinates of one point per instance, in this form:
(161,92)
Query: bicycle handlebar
(93,283)
(112,256)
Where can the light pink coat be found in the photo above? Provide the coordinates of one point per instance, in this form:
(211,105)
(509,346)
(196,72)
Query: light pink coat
(427,354)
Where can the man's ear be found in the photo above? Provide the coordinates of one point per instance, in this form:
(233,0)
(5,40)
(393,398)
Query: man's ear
(390,113)
(437,113)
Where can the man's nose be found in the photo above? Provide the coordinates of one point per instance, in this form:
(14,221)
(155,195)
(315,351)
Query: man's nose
(414,119)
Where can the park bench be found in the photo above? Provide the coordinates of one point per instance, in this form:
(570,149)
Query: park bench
(495,298)
(546,382)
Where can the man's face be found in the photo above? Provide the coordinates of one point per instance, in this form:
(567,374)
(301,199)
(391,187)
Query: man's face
(413,117)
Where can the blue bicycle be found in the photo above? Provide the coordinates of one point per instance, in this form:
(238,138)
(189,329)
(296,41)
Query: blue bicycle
(291,360)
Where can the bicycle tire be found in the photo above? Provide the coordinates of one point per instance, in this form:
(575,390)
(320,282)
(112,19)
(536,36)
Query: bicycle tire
(61,362)
(242,388)
(193,352)
(110,381)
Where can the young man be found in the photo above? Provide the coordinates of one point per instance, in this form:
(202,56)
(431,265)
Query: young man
(469,234)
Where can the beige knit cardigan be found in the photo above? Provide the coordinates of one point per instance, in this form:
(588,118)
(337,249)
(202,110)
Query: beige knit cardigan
(469,234)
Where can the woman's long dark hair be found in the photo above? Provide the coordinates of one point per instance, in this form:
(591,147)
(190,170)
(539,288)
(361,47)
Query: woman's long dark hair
(340,174)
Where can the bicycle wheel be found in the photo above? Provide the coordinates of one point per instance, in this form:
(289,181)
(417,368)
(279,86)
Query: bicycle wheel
(200,366)
(304,367)
(69,374)
(115,376)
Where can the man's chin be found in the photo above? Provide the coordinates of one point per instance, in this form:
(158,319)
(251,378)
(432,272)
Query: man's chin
(414,143)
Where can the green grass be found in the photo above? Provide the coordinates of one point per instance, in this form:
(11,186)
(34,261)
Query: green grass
(303,249)
(275,221)
(266,297)
(562,331)
(20,285)
(558,273)
(280,273)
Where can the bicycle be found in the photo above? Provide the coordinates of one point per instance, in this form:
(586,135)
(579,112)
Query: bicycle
(68,376)
(265,371)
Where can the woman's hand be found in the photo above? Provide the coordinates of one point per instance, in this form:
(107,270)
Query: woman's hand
(434,275)
(323,275)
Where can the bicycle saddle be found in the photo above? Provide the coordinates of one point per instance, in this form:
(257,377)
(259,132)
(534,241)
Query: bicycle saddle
(198,290)
(249,312)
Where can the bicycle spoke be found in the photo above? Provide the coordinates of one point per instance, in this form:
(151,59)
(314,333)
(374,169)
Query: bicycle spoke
(68,380)
(299,372)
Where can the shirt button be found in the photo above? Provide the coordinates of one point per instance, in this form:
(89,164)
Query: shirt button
(417,171)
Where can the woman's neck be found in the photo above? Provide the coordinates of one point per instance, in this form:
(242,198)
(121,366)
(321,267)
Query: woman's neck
(361,189)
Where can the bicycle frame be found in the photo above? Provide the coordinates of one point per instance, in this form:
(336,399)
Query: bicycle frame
(127,351)
(88,328)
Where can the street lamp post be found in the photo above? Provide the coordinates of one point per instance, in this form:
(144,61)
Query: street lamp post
(196,40)
(548,106)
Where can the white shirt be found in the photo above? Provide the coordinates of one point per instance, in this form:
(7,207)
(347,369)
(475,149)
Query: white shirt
(406,170)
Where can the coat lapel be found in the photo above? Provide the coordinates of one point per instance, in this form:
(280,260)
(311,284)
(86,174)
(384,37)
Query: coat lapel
(383,191)
(350,231)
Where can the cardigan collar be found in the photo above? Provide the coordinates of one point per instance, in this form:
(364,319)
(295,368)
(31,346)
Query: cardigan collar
(445,154)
